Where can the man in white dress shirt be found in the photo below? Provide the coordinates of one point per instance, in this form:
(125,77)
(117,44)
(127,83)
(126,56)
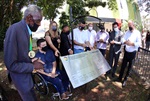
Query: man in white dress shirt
(80,38)
(132,41)
(91,33)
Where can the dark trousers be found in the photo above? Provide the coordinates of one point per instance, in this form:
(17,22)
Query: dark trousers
(113,57)
(128,58)
(61,81)
(57,62)
(102,51)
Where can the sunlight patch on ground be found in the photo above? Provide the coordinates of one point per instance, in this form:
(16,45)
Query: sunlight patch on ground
(101,84)
(121,96)
(1,69)
(81,99)
(95,90)
(118,84)
(106,93)
(1,64)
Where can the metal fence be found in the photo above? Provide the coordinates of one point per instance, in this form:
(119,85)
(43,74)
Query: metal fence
(142,65)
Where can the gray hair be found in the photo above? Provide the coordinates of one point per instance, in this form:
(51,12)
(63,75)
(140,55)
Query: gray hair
(35,11)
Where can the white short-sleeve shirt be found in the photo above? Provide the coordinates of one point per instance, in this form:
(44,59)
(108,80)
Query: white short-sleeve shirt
(79,36)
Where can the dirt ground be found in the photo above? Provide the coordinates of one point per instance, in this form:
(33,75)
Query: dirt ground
(99,89)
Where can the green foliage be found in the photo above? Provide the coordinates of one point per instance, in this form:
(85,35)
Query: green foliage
(95,3)
(112,5)
(64,19)
(50,8)
(9,14)
(77,8)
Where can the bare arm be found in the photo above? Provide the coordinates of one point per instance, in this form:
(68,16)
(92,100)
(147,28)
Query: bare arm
(54,68)
(79,44)
(49,41)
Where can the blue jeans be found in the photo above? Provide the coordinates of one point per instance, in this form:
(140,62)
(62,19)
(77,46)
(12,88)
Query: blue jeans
(61,81)
(76,51)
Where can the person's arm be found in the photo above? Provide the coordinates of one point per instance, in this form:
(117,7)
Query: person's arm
(54,68)
(124,38)
(110,38)
(119,42)
(42,72)
(66,44)
(97,37)
(79,44)
(49,41)
(107,39)
(64,40)
(138,41)
(88,43)
(11,53)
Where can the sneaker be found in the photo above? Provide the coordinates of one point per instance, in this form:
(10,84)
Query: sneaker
(124,83)
(112,75)
(68,94)
(64,96)
(118,80)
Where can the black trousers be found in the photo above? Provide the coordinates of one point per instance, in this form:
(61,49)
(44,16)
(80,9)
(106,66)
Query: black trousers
(128,58)
(113,57)
(102,51)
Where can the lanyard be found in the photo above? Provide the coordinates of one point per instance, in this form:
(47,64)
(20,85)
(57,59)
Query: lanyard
(30,46)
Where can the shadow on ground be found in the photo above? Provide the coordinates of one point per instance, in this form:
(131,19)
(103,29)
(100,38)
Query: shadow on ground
(99,89)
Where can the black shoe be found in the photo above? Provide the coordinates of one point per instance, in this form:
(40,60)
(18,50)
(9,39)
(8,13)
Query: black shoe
(112,75)
(124,83)
(106,76)
(108,72)
(118,80)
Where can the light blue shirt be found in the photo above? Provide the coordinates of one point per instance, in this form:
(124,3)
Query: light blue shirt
(29,30)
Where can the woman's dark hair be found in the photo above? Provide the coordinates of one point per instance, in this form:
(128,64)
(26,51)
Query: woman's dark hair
(39,41)
(115,23)
(64,26)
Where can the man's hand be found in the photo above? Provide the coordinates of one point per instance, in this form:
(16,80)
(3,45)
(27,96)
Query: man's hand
(34,59)
(57,53)
(101,40)
(112,42)
(84,45)
(38,64)
(39,70)
(91,48)
(70,52)
(129,43)
(58,40)
(52,75)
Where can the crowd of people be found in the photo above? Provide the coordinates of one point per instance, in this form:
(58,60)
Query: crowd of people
(21,61)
